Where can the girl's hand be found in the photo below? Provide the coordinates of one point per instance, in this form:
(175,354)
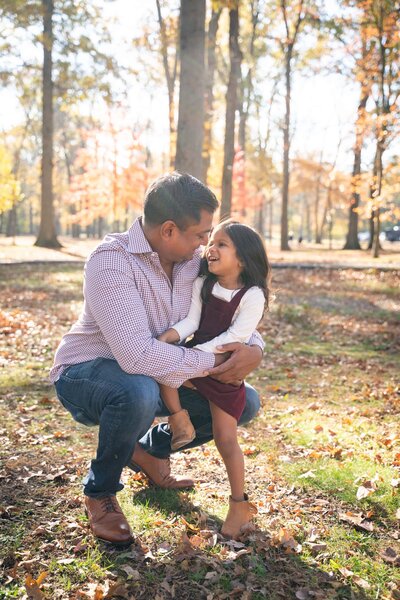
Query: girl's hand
(170,336)
(189,384)
(242,361)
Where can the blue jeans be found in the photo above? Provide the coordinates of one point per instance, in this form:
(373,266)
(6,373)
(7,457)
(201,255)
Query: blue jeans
(99,392)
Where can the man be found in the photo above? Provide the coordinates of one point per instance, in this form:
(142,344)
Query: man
(108,366)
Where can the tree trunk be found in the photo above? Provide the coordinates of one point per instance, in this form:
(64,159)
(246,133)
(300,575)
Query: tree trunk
(170,76)
(316,212)
(191,91)
(377,185)
(12,223)
(270,218)
(286,152)
(209,90)
(352,242)
(47,237)
(231,105)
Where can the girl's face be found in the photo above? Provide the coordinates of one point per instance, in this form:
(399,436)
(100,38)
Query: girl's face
(221,256)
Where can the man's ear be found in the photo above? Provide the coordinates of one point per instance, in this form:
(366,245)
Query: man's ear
(167,229)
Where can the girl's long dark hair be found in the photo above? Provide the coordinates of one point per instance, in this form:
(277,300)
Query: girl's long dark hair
(251,252)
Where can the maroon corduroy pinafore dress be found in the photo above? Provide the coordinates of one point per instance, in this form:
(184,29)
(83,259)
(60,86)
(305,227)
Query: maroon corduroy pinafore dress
(216,317)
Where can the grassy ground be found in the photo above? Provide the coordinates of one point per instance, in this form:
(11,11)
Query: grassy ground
(322,459)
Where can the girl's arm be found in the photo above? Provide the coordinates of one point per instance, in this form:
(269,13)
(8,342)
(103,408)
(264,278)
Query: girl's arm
(181,330)
(170,336)
(249,314)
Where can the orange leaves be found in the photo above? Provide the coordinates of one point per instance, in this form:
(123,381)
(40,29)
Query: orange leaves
(32,586)
(13,322)
(110,174)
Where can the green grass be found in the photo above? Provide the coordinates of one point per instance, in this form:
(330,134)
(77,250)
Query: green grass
(338,479)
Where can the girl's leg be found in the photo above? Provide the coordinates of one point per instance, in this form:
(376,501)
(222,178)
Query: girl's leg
(225,436)
(170,398)
(241,511)
(179,421)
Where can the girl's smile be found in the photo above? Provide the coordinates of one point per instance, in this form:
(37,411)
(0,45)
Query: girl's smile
(222,259)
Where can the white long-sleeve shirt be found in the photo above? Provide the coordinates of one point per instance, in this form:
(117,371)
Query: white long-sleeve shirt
(244,322)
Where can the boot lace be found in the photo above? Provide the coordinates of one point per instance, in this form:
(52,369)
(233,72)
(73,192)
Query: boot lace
(108,504)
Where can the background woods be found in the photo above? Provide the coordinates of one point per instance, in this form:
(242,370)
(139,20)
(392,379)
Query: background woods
(218,89)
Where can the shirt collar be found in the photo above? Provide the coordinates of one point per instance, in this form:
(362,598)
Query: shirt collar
(137,241)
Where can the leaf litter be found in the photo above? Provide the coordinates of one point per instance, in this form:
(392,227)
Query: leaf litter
(179,551)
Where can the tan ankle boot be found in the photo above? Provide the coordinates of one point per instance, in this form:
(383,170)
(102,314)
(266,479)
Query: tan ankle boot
(239,514)
(182,429)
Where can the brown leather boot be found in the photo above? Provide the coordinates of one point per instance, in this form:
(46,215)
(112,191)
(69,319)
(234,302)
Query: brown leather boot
(107,521)
(182,429)
(239,514)
(158,470)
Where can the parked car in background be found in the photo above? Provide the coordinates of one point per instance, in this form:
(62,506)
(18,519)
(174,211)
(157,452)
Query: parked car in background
(363,236)
(392,234)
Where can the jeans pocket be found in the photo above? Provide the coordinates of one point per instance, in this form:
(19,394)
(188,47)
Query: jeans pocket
(77,412)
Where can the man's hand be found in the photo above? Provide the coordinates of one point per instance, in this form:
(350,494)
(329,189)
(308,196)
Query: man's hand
(242,361)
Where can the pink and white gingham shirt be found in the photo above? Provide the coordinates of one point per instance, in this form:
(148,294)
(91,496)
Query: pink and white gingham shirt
(129,301)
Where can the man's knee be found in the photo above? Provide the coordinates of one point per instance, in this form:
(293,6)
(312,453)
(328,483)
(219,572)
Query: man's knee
(143,392)
(252,405)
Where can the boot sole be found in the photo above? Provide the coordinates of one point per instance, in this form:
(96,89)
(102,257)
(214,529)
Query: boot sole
(120,545)
(153,483)
(109,542)
(182,444)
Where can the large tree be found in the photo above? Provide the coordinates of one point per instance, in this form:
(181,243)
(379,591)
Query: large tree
(293,15)
(191,91)
(235,57)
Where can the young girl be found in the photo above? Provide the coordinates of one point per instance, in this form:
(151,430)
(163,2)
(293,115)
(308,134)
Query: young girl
(227,304)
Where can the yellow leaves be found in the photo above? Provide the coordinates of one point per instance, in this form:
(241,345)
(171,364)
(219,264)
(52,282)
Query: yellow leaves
(10,189)
(32,586)
(189,525)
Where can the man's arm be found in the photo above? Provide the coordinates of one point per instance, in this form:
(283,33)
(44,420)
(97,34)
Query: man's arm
(118,311)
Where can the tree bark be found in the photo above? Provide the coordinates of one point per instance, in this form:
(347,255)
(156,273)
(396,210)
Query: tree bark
(12,222)
(47,236)
(231,104)
(286,153)
(316,206)
(352,242)
(170,76)
(191,91)
(376,192)
(247,82)
(209,87)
